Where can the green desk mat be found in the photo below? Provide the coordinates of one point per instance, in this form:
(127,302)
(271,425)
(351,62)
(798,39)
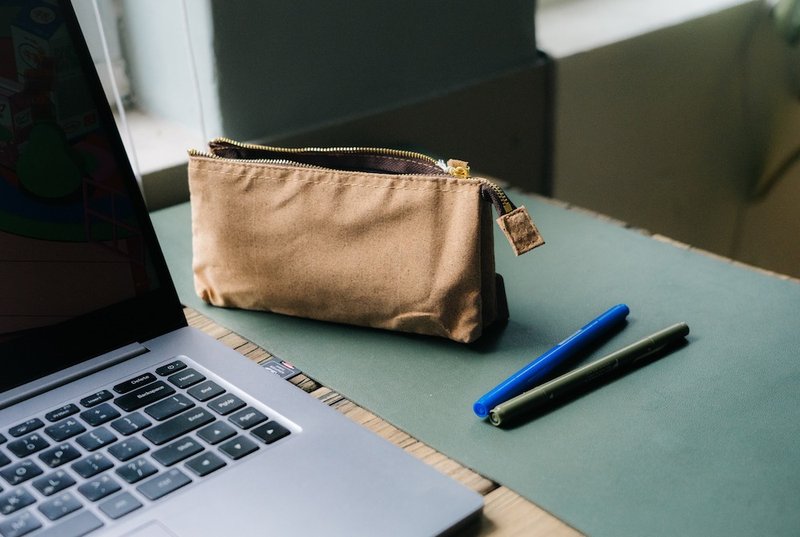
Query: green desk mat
(705,441)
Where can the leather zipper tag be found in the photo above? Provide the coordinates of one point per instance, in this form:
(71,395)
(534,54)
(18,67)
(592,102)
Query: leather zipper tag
(520,230)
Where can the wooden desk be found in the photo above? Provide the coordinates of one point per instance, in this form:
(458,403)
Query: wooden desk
(505,512)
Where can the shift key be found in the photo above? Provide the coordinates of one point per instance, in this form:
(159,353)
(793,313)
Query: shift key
(144,396)
(179,425)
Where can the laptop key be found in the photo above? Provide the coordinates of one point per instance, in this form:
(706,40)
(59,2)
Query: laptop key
(21,471)
(270,432)
(169,407)
(226,404)
(137,470)
(132,423)
(247,417)
(62,412)
(92,465)
(206,463)
(186,378)
(26,427)
(216,432)
(64,429)
(238,447)
(2,439)
(144,396)
(58,455)
(128,449)
(136,382)
(96,398)
(120,505)
(170,368)
(59,506)
(96,438)
(14,500)
(28,445)
(161,485)
(4,459)
(74,526)
(206,390)
(99,414)
(53,482)
(19,525)
(178,426)
(177,451)
(99,487)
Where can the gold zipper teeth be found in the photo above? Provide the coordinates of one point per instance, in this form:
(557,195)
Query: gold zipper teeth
(198,153)
(506,203)
(280,162)
(355,149)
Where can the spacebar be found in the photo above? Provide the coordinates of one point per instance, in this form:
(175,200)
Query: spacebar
(179,425)
(76,526)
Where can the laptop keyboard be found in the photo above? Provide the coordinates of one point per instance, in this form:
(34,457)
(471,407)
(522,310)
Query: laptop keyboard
(77,467)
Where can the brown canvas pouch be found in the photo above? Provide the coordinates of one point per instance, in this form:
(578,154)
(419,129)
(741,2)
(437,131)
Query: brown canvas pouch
(379,238)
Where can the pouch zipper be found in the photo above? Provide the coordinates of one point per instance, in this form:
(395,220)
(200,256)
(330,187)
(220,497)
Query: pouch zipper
(286,162)
(493,192)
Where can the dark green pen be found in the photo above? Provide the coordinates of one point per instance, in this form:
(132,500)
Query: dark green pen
(545,394)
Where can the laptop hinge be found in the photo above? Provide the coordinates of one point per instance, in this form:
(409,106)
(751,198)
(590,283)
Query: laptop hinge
(50,382)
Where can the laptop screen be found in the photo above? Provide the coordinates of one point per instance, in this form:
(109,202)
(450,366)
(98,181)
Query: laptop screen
(80,271)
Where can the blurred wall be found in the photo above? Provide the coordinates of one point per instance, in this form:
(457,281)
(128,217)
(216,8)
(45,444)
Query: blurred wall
(652,129)
(451,78)
(288,66)
(673,129)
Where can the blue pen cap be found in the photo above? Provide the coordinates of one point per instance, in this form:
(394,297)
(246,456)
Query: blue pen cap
(480,409)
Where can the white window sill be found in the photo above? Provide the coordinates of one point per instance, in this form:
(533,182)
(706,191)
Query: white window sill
(158,143)
(160,156)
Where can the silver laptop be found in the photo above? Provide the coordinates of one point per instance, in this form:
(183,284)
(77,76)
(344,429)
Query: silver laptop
(115,417)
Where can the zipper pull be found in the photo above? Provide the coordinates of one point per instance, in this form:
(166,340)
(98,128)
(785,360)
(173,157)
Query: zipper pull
(519,229)
(515,222)
(457,168)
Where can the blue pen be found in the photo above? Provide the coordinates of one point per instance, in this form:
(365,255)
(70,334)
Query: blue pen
(536,371)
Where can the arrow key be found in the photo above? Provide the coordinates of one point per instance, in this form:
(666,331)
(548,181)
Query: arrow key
(216,432)
(238,446)
(270,432)
(205,463)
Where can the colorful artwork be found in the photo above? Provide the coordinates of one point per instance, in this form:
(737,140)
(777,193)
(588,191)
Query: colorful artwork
(69,240)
